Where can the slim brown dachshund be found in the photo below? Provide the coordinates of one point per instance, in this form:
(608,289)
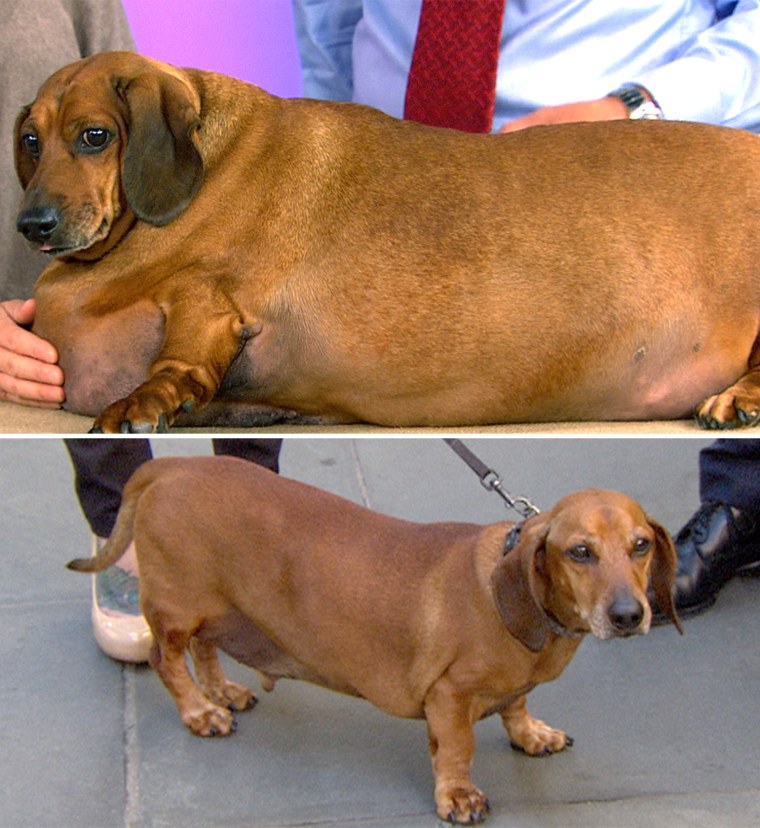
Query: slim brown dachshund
(433,621)
(252,259)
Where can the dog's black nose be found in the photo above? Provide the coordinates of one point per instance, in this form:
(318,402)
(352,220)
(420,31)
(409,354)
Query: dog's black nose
(625,613)
(38,224)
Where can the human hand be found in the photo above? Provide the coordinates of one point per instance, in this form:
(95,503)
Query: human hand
(600,109)
(29,373)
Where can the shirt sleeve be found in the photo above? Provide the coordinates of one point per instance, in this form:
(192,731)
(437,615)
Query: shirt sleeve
(325,33)
(100,26)
(715,76)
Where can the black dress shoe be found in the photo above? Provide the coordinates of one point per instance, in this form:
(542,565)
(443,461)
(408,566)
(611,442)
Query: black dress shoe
(716,542)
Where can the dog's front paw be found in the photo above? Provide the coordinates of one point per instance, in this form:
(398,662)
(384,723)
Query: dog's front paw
(131,416)
(210,721)
(536,738)
(461,804)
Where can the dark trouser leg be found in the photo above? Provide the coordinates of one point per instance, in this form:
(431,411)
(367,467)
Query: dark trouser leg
(729,472)
(102,467)
(264,451)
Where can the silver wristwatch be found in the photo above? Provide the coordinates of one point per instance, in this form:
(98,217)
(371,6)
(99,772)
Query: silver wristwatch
(638,103)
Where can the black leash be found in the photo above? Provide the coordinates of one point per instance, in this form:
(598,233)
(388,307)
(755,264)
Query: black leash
(490,480)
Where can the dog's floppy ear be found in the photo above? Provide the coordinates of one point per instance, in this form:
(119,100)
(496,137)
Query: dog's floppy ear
(25,165)
(663,574)
(162,167)
(515,585)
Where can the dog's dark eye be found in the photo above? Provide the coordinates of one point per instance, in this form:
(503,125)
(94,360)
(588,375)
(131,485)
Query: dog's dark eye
(94,138)
(32,144)
(641,547)
(580,553)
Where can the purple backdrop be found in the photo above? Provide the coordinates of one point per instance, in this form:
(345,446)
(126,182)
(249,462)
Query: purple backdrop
(249,39)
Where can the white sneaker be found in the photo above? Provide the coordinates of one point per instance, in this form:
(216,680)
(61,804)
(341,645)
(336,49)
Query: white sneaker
(119,627)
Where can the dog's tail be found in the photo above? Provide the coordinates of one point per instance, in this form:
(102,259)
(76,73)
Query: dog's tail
(115,546)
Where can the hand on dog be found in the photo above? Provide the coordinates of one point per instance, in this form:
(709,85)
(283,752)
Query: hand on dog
(600,109)
(29,373)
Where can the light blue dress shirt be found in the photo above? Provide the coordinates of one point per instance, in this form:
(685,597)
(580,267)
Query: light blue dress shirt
(700,59)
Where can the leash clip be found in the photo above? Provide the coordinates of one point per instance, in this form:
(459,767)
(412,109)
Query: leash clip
(491,481)
(520,504)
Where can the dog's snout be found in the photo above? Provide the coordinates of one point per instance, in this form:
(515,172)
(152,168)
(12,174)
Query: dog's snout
(625,613)
(37,224)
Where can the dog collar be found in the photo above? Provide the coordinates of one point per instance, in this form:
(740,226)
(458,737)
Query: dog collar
(512,538)
(558,628)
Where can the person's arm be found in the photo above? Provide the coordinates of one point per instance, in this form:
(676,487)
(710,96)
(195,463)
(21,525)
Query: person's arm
(101,26)
(601,109)
(28,370)
(714,78)
(325,33)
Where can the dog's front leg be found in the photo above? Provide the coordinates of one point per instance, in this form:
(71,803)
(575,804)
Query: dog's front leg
(199,347)
(452,747)
(532,736)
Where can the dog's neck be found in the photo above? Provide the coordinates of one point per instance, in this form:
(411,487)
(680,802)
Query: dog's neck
(120,227)
(555,626)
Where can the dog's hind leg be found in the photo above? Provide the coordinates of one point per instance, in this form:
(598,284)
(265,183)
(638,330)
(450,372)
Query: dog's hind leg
(738,405)
(217,687)
(200,714)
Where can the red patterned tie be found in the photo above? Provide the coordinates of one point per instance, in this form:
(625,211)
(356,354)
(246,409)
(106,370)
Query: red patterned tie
(452,79)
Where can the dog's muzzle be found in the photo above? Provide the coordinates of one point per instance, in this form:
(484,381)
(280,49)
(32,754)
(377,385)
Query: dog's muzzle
(625,614)
(38,224)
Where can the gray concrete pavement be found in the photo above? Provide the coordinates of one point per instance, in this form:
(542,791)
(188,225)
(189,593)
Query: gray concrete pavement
(666,727)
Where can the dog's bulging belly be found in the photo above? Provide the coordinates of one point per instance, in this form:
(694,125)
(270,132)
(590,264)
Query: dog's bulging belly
(317,371)
(240,637)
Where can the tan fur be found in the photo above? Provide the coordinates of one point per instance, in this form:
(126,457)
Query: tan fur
(423,620)
(253,259)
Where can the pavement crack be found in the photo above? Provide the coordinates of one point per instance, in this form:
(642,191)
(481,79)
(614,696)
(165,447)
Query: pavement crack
(131,749)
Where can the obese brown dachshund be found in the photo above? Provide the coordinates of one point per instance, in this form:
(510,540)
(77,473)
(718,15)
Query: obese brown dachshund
(251,259)
(432,621)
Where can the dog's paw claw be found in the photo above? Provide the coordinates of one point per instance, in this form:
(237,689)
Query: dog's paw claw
(243,704)
(212,721)
(129,427)
(142,428)
(466,806)
(748,418)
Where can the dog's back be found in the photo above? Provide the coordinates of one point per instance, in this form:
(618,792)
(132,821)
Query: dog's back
(254,558)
